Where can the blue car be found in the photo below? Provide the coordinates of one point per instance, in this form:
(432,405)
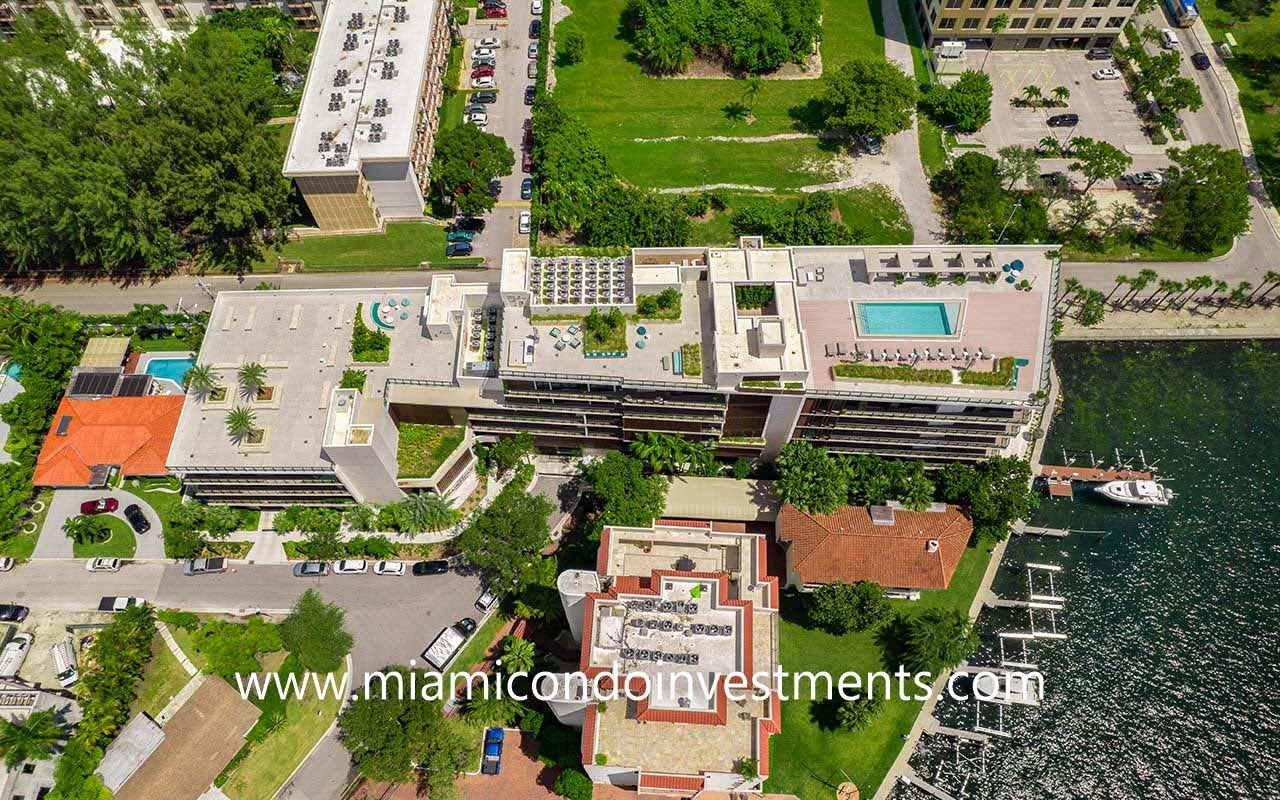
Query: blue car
(458,249)
(492,752)
(526,189)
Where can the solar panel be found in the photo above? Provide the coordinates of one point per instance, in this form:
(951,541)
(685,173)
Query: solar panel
(133,386)
(64,422)
(94,383)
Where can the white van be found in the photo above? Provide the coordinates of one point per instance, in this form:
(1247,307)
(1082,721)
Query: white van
(65,664)
(1168,39)
(14,653)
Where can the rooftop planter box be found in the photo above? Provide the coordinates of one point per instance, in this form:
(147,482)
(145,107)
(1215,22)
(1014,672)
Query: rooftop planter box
(424,449)
(368,346)
(886,372)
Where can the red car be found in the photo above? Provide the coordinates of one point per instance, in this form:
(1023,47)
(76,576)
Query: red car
(480,72)
(102,505)
(527,163)
(495,12)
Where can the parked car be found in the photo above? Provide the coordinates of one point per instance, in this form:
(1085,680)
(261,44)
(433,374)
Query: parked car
(103,505)
(466,626)
(532,71)
(102,565)
(526,189)
(1098,54)
(530,94)
(484,97)
(487,600)
(492,763)
(460,236)
(388,568)
(475,107)
(870,144)
(526,162)
(1108,74)
(483,82)
(310,569)
(13,613)
(483,52)
(1147,180)
(477,118)
(493,12)
(468,224)
(437,567)
(204,566)
(533,49)
(458,249)
(481,72)
(7,564)
(535,8)
(65,667)
(117,604)
(489,41)
(526,222)
(1168,39)
(535,29)
(1200,61)
(351,566)
(14,653)
(488,61)
(1063,120)
(136,518)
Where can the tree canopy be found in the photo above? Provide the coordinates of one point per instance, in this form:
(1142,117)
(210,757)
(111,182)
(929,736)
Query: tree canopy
(980,208)
(808,221)
(621,493)
(997,492)
(1205,198)
(505,540)
(1098,160)
(134,166)
(747,35)
(315,631)
(964,105)
(842,607)
(467,160)
(937,640)
(810,479)
(869,96)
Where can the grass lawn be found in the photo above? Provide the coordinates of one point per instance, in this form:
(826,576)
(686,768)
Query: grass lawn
(811,755)
(423,448)
(168,344)
(611,94)
(22,545)
(933,154)
(403,246)
(1255,65)
(871,209)
(163,679)
(1116,249)
(121,543)
(267,762)
(183,637)
(477,647)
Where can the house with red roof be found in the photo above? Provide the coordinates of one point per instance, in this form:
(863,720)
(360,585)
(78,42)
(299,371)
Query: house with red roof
(91,436)
(891,545)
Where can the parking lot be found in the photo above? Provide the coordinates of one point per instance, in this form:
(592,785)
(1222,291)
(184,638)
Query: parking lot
(506,118)
(1106,113)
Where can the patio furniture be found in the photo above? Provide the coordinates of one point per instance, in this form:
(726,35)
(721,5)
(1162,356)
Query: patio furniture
(555,333)
(640,344)
(1005,267)
(1016,265)
(392,302)
(1010,279)
(641,330)
(573,330)
(839,349)
(827,347)
(404,315)
(560,345)
(664,363)
(574,342)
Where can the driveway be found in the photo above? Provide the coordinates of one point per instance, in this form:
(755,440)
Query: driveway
(66,503)
(506,119)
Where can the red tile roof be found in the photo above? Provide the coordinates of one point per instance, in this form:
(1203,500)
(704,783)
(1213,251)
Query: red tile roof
(679,783)
(133,433)
(846,546)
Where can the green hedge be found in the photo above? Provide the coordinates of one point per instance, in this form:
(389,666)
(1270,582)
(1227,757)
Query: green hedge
(884,372)
(368,346)
(1003,375)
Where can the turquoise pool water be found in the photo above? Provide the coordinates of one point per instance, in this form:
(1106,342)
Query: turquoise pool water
(908,319)
(175,369)
(13,370)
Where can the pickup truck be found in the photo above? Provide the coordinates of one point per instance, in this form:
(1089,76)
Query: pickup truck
(492,762)
(204,566)
(116,604)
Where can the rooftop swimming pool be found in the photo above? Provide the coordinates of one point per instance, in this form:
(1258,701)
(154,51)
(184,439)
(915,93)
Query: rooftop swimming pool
(175,369)
(909,319)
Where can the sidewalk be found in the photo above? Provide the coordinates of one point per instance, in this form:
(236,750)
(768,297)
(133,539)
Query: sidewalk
(1239,323)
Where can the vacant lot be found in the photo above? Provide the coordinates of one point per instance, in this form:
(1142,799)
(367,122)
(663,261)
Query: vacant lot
(627,109)
(404,245)
(873,210)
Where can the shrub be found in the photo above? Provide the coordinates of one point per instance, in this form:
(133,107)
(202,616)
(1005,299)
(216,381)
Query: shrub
(315,632)
(748,37)
(843,608)
(808,221)
(179,619)
(574,784)
(964,105)
(854,715)
(570,48)
(354,379)
(368,346)
(740,469)
(308,519)
(232,648)
(754,296)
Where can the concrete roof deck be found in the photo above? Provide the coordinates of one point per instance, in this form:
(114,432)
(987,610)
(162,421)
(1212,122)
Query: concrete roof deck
(303,338)
(676,747)
(735,329)
(998,318)
(640,364)
(350,124)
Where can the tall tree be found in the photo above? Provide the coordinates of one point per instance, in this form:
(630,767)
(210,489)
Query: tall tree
(315,631)
(1098,160)
(504,541)
(467,160)
(30,739)
(621,493)
(810,479)
(1018,163)
(939,640)
(870,96)
(1205,198)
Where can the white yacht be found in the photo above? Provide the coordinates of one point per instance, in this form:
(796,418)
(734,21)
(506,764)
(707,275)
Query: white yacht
(1136,493)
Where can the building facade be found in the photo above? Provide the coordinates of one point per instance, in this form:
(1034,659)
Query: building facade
(105,14)
(1030,24)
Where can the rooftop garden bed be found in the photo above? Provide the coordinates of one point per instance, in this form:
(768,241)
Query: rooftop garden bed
(692,354)
(354,379)
(368,346)
(1001,376)
(885,372)
(664,305)
(423,448)
(605,333)
(755,297)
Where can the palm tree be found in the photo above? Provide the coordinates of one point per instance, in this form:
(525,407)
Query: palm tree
(1192,286)
(1072,286)
(1061,94)
(31,739)
(1121,280)
(1168,287)
(85,530)
(1032,95)
(1051,145)
(701,459)
(1218,286)
(1144,279)
(278,35)
(429,512)
(518,655)
(240,422)
(1240,295)
(200,379)
(1270,280)
(252,377)
(751,91)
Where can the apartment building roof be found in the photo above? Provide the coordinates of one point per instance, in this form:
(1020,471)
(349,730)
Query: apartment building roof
(133,433)
(721,498)
(303,338)
(890,545)
(755,341)
(360,101)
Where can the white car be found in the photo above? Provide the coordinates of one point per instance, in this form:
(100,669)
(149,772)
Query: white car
(1168,39)
(1148,180)
(533,50)
(7,564)
(483,52)
(489,41)
(356,567)
(483,82)
(1108,74)
(477,118)
(536,7)
(102,565)
(388,568)
(526,222)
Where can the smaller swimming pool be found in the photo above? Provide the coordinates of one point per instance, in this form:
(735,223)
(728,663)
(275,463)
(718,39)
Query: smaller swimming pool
(175,369)
(909,319)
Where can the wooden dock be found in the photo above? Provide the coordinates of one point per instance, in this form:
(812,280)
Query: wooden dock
(1059,479)
(910,778)
(933,726)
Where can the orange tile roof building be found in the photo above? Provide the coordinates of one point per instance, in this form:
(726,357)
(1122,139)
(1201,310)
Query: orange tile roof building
(895,547)
(681,598)
(89,437)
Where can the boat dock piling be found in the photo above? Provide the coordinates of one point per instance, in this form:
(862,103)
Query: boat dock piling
(933,726)
(910,778)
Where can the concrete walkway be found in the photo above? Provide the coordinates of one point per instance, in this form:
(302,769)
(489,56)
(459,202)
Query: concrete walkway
(65,503)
